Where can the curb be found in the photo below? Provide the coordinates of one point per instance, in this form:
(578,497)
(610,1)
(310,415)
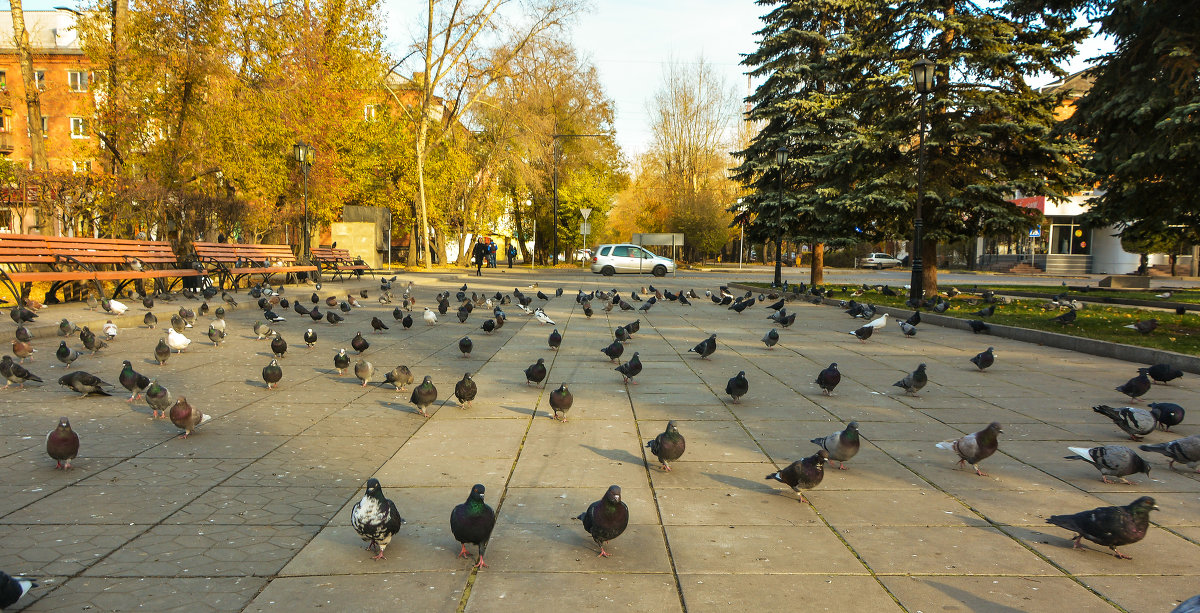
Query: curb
(1117,351)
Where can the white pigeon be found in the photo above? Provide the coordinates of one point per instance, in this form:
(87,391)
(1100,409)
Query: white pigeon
(430,316)
(878,322)
(541,316)
(177,341)
(109,329)
(1165,295)
(219,324)
(116,307)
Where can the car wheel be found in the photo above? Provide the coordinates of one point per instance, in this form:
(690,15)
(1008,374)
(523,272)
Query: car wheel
(659,271)
(607,271)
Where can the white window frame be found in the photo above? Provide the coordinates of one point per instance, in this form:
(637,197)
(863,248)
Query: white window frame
(45,126)
(79,127)
(369,112)
(39,79)
(74,77)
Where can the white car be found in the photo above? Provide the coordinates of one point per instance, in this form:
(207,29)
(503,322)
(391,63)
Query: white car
(626,257)
(583,255)
(879,260)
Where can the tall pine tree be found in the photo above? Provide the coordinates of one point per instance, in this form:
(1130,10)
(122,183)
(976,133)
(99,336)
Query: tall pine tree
(1140,121)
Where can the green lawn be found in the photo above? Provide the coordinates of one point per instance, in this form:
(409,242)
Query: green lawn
(1179,333)
(1188,296)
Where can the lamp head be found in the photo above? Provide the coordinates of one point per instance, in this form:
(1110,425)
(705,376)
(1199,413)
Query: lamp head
(922,73)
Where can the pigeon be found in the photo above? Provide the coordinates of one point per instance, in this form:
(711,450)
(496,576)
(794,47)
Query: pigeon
(1109,526)
(465,390)
(621,334)
(863,333)
(109,330)
(90,342)
(1183,450)
(177,341)
(984,359)
(803,474)
(614,350)
(465,345)
(133,381)
(472,522)
(1167,414)
(65,354)
(555,340)
(1136,422)
(829,378)
(424,395)
(359,343)
(62,444)
(987,311)
(13,588)
(976,447)
(606,518)
(215,335)
(561,400)
(737,386)
(668,446)
(540,315)
(1163,373)
(430,316)
(84,382)
(775,306)
(463,314)
(880,322)
(535,373)
(315,315)
(262,330)
(630,369)
(376,519)
(407,322)
(771,338)
(1066,318)
(1136,386)
(278,346)
(1145,326)
(706,347)
(159,398)
(334,318)
(841,445)
(914,381)
(399,377)
(1112,461)
(15,373)
(65,328)
(978,327)
(488,326)
(341,361)
(114,307)
(378,325)
(310,338)
(186,417)
(363,370)
(907,328)
(271,374)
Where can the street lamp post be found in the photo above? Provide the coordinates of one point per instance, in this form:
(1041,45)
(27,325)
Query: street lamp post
(781,155)
(922,73)
(304,157)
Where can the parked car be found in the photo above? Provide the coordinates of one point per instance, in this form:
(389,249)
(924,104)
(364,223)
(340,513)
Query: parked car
(879,260)
(628,258)
(583,255)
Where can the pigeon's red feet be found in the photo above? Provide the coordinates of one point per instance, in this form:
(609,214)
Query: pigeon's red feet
(1121,556)
(980,472)
(463,553)
(481,563)
(604,554)
(841,466)
(379,556)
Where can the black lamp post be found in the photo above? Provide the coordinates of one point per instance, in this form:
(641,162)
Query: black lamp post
(304,157)
(781,155)
(922,73)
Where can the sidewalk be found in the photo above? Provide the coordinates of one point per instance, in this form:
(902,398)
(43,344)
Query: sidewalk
(251,512)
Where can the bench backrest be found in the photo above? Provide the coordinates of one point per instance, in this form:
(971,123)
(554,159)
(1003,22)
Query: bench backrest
(330,253)
(226,252)
(32,249)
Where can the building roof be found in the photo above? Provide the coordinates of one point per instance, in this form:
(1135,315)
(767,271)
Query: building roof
(49,32)
(1075,85)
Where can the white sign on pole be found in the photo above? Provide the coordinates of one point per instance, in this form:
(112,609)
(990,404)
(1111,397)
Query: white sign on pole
(585,213)
(585,228)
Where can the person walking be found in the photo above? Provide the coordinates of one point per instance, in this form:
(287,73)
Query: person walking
(512,253)
(491,254)
(479,252)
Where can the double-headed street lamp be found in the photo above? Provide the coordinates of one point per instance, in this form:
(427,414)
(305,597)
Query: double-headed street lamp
(922,73)
(304,157)
(781,155)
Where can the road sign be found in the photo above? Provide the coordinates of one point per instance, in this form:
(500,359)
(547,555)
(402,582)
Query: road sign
(585,228)
(1036,232)
(585,213)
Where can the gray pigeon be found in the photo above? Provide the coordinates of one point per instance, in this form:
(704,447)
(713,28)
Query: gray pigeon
(668,446)
(85,383)
(771,338)
(424,395)
(984,359)
(841,445)
(159,398)
(914,381)
(975,448)
(399,377)
(376,519)
(363,370)
(803,474)
(1183,450)
(1136,422)
(1137,386)
(1112,461)
(162,351)
(1109,526)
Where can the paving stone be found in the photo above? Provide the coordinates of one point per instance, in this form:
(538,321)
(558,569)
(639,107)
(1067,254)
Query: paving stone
(765,592)
(206,550)
(152,594)
(1000,594)
(966,550)
(1144,592)
(417,591)
(502,590)
(748,549)
(60,550)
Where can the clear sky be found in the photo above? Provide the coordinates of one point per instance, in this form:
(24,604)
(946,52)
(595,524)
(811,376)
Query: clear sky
(630,41)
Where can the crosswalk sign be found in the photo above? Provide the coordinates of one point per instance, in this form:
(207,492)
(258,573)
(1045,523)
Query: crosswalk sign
(1035,232)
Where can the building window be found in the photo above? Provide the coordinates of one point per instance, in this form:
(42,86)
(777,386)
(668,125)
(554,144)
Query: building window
(1068,237)
(45,126)
(79,127)
(39,78)
(77,80)
(3,80)
(369,112)
(84,166)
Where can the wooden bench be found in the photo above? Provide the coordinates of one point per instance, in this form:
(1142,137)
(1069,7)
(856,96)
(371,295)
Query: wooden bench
(62,259)
(233,262)
(339,262)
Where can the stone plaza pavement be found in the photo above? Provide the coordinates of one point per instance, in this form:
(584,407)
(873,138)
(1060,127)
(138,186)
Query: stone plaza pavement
(252,512)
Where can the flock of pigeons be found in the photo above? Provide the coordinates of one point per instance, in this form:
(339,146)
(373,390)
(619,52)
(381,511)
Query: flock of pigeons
(377,519)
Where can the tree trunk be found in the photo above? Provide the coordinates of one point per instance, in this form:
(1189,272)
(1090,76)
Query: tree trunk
(1173,258)
(929,264)
(520,228)
(33,102)
(411,258)
(1195,261)
(439,245)
(816,274)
